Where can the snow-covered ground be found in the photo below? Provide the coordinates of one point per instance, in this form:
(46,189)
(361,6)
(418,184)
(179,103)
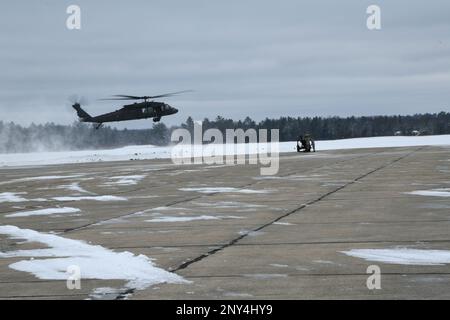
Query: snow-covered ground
(153,152)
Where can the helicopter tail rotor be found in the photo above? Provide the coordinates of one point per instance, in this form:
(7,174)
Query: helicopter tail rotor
(81,100)
(76,102)
(83,115)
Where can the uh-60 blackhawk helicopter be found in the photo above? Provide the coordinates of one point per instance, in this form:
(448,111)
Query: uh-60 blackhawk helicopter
(138,110)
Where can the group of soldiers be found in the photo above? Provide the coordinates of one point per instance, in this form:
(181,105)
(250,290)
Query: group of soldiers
(306,143)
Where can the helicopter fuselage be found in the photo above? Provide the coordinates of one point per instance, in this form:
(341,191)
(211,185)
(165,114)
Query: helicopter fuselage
(134,111)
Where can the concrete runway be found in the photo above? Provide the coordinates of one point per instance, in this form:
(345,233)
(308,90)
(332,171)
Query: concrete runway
(284,240)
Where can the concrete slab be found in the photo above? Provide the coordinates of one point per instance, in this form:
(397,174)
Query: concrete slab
(283,239)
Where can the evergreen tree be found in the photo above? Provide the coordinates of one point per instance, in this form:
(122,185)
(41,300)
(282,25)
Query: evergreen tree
(78,136)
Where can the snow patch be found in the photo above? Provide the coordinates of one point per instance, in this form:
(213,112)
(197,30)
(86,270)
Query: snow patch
(43,212)
(404,256)
(443,192)
(323,261)
(93,198)
(124,180)
(237,295)
(168,209)
(73,187)
(191,218)
(39,178)
(222,190)
(276,265)
(95,262)
(230,204)
(283,223)
(311,177)
(250,233)
(12,197)
(39,199)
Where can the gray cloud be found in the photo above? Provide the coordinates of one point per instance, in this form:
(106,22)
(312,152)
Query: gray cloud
(256,58)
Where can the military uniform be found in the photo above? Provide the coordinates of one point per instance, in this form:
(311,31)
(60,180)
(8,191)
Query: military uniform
(306,143)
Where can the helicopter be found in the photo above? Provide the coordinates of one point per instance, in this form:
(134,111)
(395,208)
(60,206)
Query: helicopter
(138,110)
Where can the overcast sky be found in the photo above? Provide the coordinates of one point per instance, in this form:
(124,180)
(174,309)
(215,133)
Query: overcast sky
(255,58)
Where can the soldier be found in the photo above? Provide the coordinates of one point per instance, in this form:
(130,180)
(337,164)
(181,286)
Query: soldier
(310,143)
(306,143)
(299,143)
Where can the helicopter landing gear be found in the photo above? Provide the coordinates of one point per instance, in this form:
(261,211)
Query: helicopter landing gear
(98,126)
(156,119)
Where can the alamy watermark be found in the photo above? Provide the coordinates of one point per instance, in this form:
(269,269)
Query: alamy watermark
(74,277)
(238,147)
(374,280)
(373,21)
(73,21)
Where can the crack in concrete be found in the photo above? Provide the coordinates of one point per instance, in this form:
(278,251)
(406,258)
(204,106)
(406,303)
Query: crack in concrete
(237,239)
(210,194)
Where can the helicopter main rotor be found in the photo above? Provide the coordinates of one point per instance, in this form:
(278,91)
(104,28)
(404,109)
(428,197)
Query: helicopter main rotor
(145,98)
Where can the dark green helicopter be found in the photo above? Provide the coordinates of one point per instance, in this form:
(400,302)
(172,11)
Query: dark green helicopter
(138,110)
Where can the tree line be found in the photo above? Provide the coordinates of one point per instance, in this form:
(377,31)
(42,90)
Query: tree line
(79,136)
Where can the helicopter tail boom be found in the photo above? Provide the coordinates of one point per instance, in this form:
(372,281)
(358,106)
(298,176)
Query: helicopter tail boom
(83,115)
